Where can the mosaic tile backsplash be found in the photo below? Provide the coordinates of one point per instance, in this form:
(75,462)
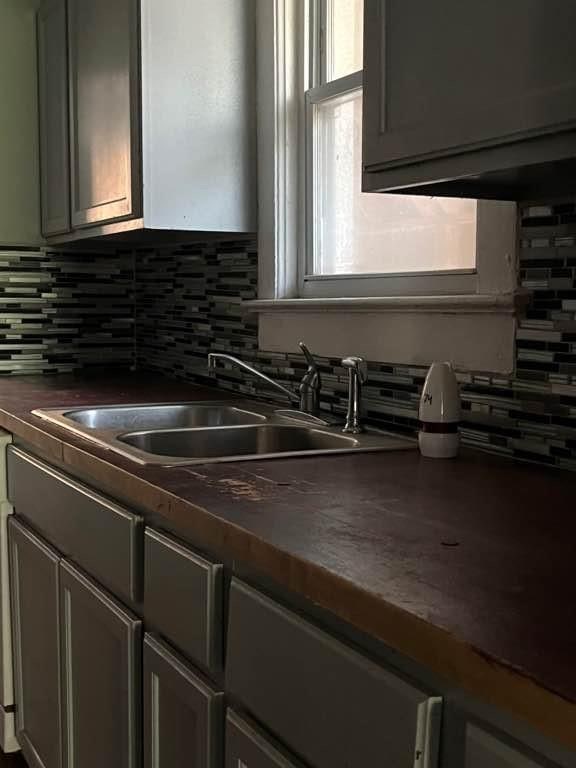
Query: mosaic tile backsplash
(61,312)
(163,310)
(188,301)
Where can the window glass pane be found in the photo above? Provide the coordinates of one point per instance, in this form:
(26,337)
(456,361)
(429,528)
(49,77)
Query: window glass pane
(343,37)
(361,233)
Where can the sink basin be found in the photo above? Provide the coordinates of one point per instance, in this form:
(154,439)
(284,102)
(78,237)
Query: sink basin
(228,443)
(163,416)
(205,432)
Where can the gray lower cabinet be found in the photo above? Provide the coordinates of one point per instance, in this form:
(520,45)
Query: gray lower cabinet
(101,676)
(183,713)
(35,596)
(53,113)
(246,747)
(92,691)
(486,751)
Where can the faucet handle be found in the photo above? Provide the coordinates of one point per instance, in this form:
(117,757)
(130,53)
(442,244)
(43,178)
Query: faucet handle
(357,364)
(311,383)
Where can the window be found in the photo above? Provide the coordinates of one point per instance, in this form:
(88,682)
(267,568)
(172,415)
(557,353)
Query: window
(396,278)
(351,239)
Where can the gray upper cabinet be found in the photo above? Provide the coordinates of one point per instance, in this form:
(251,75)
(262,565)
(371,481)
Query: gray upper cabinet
(183,714)
(103,44)
(53,112)
(469,98)
(34,576)
(161,115)
(101,674)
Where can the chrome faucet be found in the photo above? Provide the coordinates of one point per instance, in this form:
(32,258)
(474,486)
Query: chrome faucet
(308,395)
(357,375)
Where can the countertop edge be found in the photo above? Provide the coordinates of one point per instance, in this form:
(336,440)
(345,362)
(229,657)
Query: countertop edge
(455,661)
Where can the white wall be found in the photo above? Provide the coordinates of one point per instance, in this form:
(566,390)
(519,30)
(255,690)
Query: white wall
(19,182)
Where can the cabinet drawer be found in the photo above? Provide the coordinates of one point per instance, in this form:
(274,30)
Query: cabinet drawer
(102,537)
(245,746)
(183,599)
(308,688)
(183,714)
(486,751)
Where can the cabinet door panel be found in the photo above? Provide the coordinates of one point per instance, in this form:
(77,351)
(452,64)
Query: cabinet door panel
(53,109)
(485,751)
(104,112)
(101,655)
(182,713)
(34,579)
(247,748)
(430,88)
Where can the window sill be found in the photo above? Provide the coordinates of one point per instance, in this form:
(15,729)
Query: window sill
(473,332)
(467,303)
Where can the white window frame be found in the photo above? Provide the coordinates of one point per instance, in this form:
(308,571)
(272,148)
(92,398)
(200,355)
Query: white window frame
(318,89)
(287,292)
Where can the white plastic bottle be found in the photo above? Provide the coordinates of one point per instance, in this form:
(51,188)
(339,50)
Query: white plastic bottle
(440,413)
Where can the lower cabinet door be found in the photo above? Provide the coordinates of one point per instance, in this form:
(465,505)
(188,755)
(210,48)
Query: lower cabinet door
(34,578)
(248,748)
(485,751)
(101,660)
(183,714)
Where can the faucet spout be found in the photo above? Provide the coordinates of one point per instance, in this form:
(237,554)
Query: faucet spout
(214,357)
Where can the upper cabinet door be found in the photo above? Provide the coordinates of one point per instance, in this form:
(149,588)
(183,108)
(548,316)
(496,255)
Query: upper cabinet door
(53,107)
(104,113)
(449,77)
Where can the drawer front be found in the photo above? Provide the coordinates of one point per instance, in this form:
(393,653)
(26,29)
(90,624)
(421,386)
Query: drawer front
(326,702)
(102,537)
(486,751)
(248,748)
(183,599)
(183,714)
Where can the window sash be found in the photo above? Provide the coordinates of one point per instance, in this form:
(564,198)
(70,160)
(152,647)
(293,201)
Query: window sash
(314,97)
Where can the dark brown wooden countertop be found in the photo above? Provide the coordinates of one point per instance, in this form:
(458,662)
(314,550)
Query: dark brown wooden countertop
(467,566)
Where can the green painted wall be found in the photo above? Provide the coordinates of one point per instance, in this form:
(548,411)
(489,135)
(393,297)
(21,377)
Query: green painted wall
(19,182)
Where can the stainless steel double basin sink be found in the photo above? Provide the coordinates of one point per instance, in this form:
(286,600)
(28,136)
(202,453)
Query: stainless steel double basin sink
(207,432)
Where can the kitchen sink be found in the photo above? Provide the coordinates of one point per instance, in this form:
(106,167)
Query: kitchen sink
(216,431)
(172,416)
(230,442)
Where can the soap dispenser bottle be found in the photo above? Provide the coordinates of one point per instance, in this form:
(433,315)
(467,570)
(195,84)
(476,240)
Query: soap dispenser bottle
(440,413)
